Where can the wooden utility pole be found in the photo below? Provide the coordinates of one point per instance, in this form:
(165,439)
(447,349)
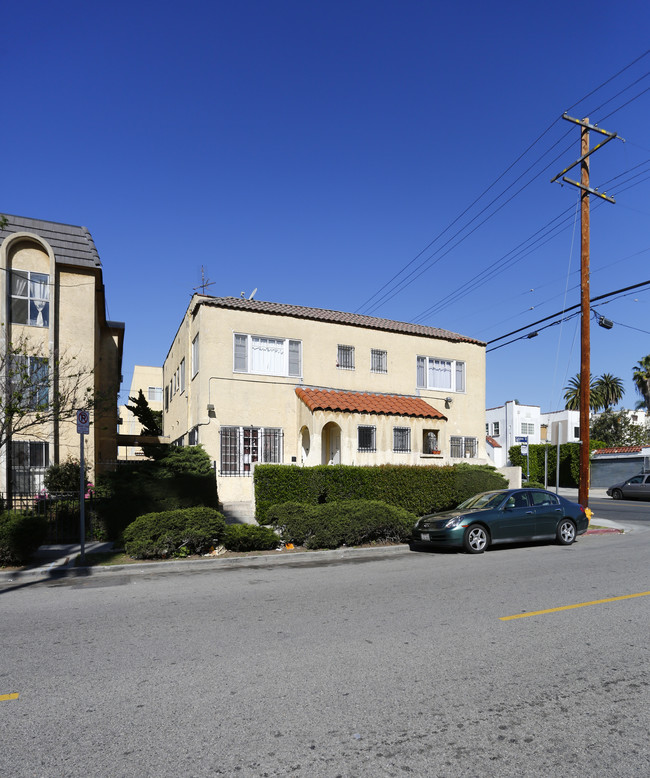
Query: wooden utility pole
(585,353)
(585,343)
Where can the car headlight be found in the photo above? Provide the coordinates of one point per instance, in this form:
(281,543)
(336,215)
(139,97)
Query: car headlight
(454,522)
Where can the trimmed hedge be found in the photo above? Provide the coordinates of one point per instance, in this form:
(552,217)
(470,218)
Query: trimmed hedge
(345,523)
(174,533)
(249,537)
(569,461)
(20,535)
(417,489)
(183,478)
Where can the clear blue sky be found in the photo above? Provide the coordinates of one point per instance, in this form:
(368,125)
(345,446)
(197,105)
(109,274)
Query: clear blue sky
(313,149)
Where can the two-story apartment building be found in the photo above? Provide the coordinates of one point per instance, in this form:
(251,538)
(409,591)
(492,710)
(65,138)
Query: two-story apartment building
(257,381)
(54,302)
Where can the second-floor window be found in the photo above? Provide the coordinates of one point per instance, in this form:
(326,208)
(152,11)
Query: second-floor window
(345,357)
(155,394)
(378,361)
(495,429)
(527,428)
(448,374)
(29,381)
(267,356)
(195,356)
(30,298)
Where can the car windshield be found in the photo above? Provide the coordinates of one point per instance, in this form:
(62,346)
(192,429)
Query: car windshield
(482,501)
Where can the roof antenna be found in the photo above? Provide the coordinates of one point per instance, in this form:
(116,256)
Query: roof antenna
(205,282)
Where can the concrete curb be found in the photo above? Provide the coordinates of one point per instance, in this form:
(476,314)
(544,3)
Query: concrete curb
(67,570)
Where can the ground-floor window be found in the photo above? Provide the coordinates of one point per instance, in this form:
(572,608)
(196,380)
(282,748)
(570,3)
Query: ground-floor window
(29,461)
(402,439)
(242,447)
(463,448)
(366,438)
(430,444)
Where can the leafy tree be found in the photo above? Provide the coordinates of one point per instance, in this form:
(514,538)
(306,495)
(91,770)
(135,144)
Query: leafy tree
(572,394)
(610,389)
(65,476)
(616,429)
(35,391)
(641,378)
(151,420)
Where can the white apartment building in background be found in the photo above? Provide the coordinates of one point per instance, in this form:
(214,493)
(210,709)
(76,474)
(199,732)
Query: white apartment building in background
(507,424)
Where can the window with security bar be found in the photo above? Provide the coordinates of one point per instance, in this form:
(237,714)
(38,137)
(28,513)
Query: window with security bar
(29,461)
(243,447)
(378,361)
(463,448)
(345,357)
(366,438)
(402,440)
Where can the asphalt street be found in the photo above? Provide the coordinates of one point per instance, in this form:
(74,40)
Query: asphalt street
(381,667)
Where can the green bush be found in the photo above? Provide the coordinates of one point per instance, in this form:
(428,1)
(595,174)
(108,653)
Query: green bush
(182,478)
(349,522)
(569,462)
(418,489)
(65,477)
(20,535)
(249,537)
(174,533)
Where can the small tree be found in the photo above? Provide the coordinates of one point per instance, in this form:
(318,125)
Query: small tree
(641,378)
(35,392)
(151,420)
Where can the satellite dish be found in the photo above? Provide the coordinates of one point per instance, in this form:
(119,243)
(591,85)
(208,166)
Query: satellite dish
(252,294)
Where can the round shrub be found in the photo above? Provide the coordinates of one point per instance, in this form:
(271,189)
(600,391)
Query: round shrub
(174,533)
(249,537)
(20,535)
(295,520)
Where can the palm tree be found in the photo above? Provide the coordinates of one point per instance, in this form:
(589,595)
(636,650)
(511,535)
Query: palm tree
(610,389)
(572,394)
(641,378)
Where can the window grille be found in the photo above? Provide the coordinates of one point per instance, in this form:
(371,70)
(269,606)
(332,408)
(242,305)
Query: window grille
(402,439)
(463,448)
(366,438)
(378,361)
(242,447)
(29,461)
(345,357)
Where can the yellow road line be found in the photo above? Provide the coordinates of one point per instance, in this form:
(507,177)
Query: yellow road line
(4,697)
(570,607)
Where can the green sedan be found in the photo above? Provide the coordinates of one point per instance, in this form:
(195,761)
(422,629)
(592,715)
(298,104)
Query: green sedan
(505,516)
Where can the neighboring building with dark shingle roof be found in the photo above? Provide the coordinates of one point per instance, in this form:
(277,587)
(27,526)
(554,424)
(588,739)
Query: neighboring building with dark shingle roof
(256,381)
(54,293)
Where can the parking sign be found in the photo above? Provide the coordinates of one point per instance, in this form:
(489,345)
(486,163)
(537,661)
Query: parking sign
(83,422)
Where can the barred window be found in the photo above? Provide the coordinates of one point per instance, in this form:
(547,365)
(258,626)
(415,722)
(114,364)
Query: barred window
(463,448)
(378,361)
(366,438)
(402,439)
(242,447)
(345,357)
(29,461)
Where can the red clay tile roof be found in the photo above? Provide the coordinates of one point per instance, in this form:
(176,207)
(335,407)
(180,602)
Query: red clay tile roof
(492,442)
(362,402)
(619,450)
(337,317)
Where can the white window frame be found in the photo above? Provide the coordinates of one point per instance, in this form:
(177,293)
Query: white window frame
(496,429)
(426,368)
(244,345)
(527,428)
(31,300)
(378,361)
(154,394)
(181,376)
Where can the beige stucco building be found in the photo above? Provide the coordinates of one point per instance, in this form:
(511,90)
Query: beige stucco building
(54,302)
(257,381)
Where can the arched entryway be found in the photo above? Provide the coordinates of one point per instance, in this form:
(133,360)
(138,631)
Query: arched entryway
(331,444)
(305,445)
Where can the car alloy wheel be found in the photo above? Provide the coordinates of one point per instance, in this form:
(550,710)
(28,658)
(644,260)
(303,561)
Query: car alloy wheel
(566,532)
(475,540)
(617,494)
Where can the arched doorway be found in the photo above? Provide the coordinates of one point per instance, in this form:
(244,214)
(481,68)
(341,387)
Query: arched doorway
(331,444)
(304,445)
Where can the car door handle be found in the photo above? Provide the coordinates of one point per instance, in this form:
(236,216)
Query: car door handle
(527,512)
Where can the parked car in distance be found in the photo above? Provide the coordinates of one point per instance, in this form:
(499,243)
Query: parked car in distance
(504,516)
(636,488)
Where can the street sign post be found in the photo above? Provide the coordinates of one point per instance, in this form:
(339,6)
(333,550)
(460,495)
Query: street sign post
(83,428)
